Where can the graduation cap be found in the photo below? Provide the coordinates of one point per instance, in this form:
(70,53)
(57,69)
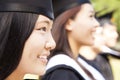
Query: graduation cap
(107,15)
(60,6)
(43,7)
(106,18)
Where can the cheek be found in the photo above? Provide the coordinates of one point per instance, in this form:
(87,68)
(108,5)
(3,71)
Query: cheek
(85,32)
(87,36)
(82,30)
(33,47)
(107,36)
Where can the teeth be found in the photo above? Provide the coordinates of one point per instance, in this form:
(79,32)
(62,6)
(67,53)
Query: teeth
(42,57)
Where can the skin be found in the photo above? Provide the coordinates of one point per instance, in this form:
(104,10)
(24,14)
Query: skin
(99,41)
(90,52)
(36,50)
(80,30)
(110,35)
(106,35)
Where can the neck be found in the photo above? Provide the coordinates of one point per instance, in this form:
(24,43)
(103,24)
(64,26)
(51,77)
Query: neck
(74,47)
(87,52)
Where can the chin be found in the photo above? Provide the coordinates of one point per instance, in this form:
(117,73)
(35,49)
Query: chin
(41,74)
(90,43)
(43,70)
(40,71)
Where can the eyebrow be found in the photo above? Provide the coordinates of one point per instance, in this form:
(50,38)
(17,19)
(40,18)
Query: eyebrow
(92,11)
(48,22)
(45,21)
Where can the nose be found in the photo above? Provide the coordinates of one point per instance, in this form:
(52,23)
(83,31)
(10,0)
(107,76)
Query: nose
(96,23)
(50,44)
(116,34)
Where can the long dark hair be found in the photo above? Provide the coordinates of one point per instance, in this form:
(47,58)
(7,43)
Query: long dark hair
(15,28)
(59,32)
(60,35)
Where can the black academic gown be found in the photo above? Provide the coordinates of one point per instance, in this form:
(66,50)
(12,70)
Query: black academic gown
(62,67)
(101,63)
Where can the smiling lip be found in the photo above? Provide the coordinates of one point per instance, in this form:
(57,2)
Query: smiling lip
(43,59)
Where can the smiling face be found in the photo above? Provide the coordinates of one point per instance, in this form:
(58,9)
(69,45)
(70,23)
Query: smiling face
(85,25)
(37,48)
(81,28)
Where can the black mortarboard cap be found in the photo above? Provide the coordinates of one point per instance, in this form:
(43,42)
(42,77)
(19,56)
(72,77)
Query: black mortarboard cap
(106,18)
(43,7)
(60,6)
(107,15)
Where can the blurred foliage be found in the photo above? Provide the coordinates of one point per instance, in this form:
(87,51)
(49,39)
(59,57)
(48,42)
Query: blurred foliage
(114,62)
(103,7)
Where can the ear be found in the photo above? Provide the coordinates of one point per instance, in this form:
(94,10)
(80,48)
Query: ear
(69,25)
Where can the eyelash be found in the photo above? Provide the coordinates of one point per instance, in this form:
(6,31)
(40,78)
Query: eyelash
(91,15)
(42,29)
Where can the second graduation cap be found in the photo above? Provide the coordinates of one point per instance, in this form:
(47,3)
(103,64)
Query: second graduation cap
(60,6)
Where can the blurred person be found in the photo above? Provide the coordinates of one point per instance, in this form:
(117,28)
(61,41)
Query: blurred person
(73,27)
(98,55)
(91,56)
(109,51)
(25,37)
(110,36)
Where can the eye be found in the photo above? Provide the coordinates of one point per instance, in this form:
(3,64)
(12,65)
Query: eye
(43,29)
(91,16)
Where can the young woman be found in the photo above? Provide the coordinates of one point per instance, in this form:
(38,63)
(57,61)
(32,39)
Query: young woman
(25,37)
(72,28)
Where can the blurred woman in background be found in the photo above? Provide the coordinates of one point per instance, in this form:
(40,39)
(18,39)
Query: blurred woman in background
(73,27)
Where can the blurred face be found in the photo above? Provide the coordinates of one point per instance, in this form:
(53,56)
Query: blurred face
(81,29)
(37,48)
(99,41)
(110,35)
